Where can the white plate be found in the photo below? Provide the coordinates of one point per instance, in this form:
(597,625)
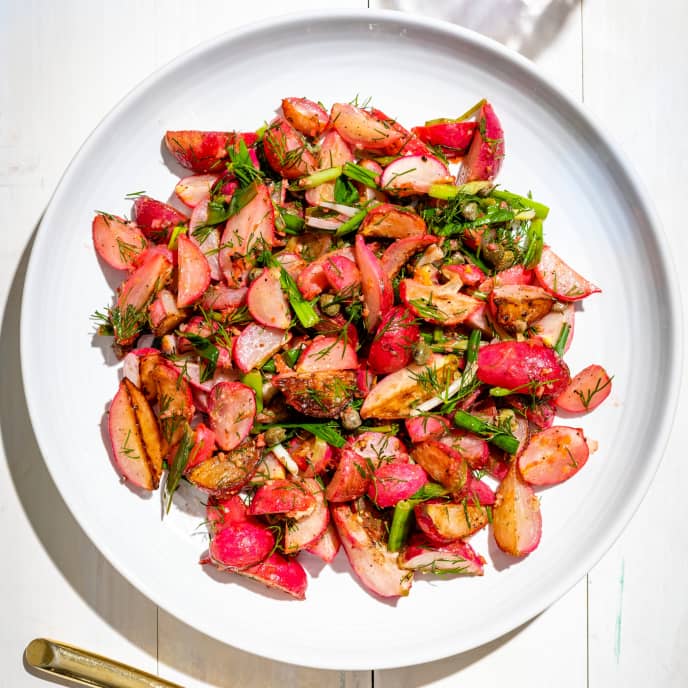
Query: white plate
(600,222)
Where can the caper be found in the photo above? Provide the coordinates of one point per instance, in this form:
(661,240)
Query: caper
(351,419)
(275,435)
(470,211)
(329,305)
(421,352)
(254,274)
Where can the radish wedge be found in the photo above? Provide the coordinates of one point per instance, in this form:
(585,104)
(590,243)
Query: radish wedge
(279,573)
(553,456)
(586,391)
(421,428)
(327,545)
(378,296)
(328,353)
(391,222)
(252,228)
(308,529)
(351,478)
(560,280)
(286,151)
(210,243)
(242,545)
(193,272)
(392,345)
(305,116)
(256,345)
(117,242)
(221,298)
(414,174)
(398,253)
(194,189)
(393,482)
(204,151)
(231,409)
(486,153)
(267,302)
(472,448)
(517,306)
(156,218)
(334,152)
(441,304)
(341,273)
(135,437)
(444,521)
(442,463)
(549,327)
(453,138)
(281,497)
(365,547)
(516,518)
(312,280)
(203,447)
(226,473)
(424,556)
(363,131)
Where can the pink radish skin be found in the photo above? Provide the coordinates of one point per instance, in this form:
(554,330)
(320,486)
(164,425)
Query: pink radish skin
(363,131)
(267,302)
(392,222)
(279,573)
(327,353)
(253,227)
(586,391)
(204,446)
(341,273)
(548,328)
(392,346)
(453,138)
(309,528)
(222,298)
(204,151)
(313,279)
(486,153)
(211,242)
(334,151)
(285,150)
(244,544)
(414,174)
(422,555)
(155,218)
(194,189)
(553,456)
(471,275)
(393,482)
(224,512)
(281,497)
(231,409)
(194,272)
(473,449)
(327,545)
(376,567)
(130,363)
(422,428)
(560,280)
(377,448)
(117,242)
(256,344)
(305,116)
(292,263)
(516,517)
(313,456)
(350,480)
(398,253)
(378,296)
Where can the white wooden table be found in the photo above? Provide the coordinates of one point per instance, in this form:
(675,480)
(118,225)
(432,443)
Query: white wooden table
(64,65)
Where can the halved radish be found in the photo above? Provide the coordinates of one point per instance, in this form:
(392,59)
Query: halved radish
(266,301)
(560,280)
(471,275)
(423,555)
(586,391)
(194,189)
(117,242)
(327,545)
(203,447)
(341,273)
(222,298)
(226,473)
(244,544)
(286,151)
(421,428)
(549,327)
(377,448)
(442,304)
(328,353)
(444,521)
(210,236)
(516,306)
(398,253)
(313,456)
(256,344)
(334,151)
(163,313)
(393,482)
(394,339)
(252,228)
(224,512)
(453,138)
(156,218)
(516,517)
(307,529)
(193,272)
(523,367)
(392,222)
(130,363)
(553,456)
(365,132)
(413,174)
(477,492)
(312,280)
(472,448)
(231,410)
(281,497)
(351,478)
(305,116)
(365,547)
(204,151)
(378,295)
(442,463)
(135,437)
(484,158)
(279,573)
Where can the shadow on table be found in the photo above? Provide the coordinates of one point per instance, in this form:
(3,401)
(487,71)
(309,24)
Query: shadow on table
(527,26)
(108,593)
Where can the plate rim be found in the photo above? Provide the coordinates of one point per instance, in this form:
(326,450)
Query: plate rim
(612,150)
